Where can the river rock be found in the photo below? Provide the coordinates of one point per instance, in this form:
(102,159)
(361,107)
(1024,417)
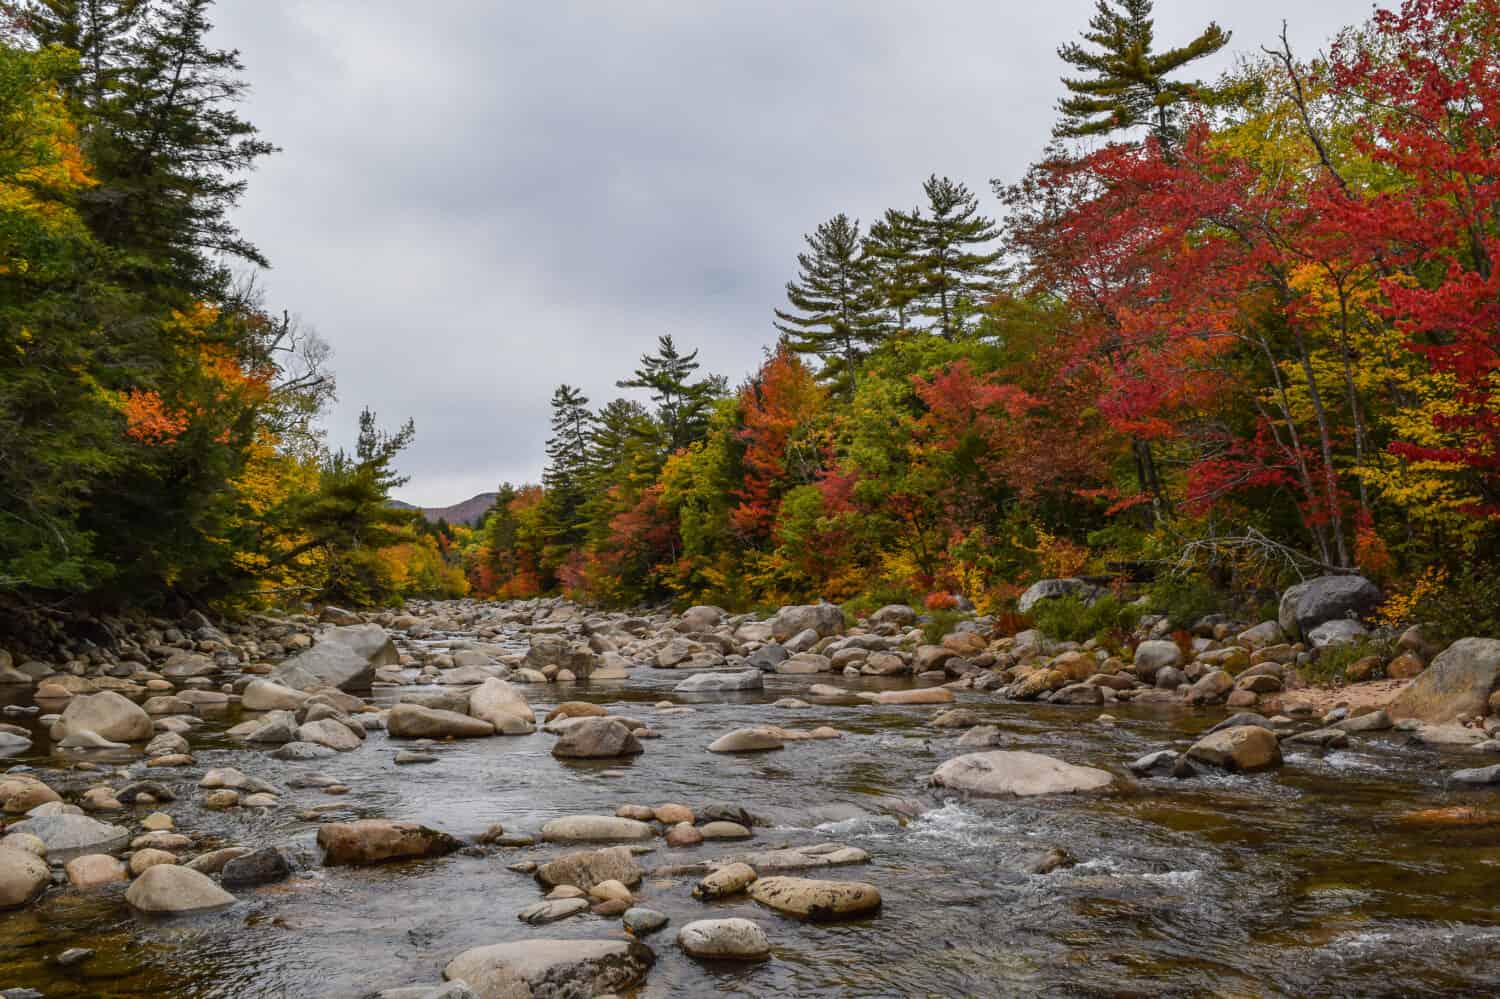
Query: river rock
(1340,631)
(20,793)
(215,860)
(1370,721)
(10,743)
(746,740)
(551,969)
(819,901)
(106,714)
(259,867)
(1457,683)
(980,736)
(922,695)
(683,834)
(143,860)
(801,858)
(551,911)
(85,739)
(167,744)
(1242,749)
(170,888)
(344,658)
(594,829)
(94,870)
(1017,774)
(586,868)
(724,940)
(503,706)
(1152,656)
(375,841)
(1477,776)
(1158,763)
(69,836)
(327,732)
(641,921)
(825,619)
(23,875)
(266,695)
(1052,589)
(412,721)
(700,683)
(722,882)
(597,738)
(724,830)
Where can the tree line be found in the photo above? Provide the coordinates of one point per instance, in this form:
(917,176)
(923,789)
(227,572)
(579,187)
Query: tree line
(159,436)
(1245,328)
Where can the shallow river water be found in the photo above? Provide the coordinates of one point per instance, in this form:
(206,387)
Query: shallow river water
(1305,881)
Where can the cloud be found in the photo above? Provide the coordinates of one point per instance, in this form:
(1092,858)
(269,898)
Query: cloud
(477,201)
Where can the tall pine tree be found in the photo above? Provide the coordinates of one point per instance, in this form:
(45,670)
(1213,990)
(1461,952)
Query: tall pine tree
(835,299)
(1126,83)
(682,404)
(955,274)
(893,250)
(567,466)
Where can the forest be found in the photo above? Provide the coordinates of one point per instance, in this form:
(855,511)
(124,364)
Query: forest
(1221,335)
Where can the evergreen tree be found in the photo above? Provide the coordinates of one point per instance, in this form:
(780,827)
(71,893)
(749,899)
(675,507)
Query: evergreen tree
(954,273)
(567,465)
(1126,83)
(98,30)
(835,299)
(501,529)
(682,405)
(893,251)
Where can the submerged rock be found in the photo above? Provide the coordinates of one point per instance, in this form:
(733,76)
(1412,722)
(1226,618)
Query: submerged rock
(587,868)
(712,682)
(551,969)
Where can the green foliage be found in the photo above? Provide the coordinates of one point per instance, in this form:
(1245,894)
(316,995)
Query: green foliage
(1070,619)
(1330,664)
(1184,598)
(1468,603)
(937,623)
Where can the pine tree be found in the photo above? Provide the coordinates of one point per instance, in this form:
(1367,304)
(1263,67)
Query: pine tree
(1126,85)
(835,299)
(567,465)
(98,30)
(892,248)
(953,274)
(682,405)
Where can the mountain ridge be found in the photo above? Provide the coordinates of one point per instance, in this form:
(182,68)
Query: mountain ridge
(469,511)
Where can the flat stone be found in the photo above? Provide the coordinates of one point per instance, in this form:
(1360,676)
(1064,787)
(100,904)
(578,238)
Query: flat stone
(69,836)
(375,841)
(746,740)
(724,940)
(815,900)
(1018,774)
(551,911)
(551,969)
(594,829)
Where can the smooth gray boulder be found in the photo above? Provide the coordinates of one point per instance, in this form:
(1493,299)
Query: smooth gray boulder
(1306,605)
(724,940)
(168,889)
(341,657)
(700,683)
(107,714)
(69,836)
(1052,589)
(1004,774)
(825,619)
(1458,683)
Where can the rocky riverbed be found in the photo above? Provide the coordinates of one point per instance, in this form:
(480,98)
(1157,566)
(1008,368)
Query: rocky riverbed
(535,796)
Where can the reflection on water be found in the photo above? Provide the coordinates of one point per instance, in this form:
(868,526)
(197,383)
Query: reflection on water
(1291,884)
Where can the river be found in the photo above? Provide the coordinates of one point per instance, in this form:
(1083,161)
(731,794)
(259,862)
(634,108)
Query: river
(1303,881)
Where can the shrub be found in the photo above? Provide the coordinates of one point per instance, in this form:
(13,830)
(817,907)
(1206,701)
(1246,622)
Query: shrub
(936,624)
(1466,605)
(1184,599)
(1069,619)
(1329,664)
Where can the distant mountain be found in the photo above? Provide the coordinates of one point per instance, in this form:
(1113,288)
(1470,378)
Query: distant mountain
(470,511)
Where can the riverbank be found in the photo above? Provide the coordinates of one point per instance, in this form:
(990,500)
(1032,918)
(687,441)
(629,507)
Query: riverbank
(1282,880)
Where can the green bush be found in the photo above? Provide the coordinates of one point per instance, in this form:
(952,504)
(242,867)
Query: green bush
(1184,599)
(1331,662)
(937,623)
(1468,606)
(868,603)
(1069,619)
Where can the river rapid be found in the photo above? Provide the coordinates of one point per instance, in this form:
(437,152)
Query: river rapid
(1308,880)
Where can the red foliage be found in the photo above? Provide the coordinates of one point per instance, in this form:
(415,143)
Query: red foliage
(780,400)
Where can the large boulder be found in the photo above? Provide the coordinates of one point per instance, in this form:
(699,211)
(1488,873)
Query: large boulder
(168,889)
(825,619)
(1458,682)
(503,706)
(412,721)
(1052,589)
(1242,749)
(1156,655)
(597,738)
(587,868)
(375,841)
(807,898)
(342,657)
(1307,605)
(551,969)
(700,683)
(23,875)
(107,714)
(1005,774)
(701,618)
(20,793)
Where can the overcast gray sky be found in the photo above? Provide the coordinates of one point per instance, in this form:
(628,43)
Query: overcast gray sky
(477,200)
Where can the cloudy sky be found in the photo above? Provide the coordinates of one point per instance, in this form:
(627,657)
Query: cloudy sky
(478,200)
